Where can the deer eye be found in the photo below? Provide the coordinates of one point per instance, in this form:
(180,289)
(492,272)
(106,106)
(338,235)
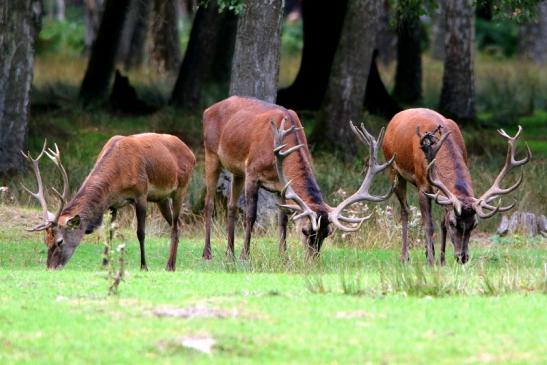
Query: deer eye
(59,242)
(305,231)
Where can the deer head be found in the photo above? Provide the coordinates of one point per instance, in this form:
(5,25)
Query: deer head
(322,220)
(463,217)
(61,235)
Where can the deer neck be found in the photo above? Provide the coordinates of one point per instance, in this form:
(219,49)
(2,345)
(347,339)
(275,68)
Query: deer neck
(299,171)
(453,170)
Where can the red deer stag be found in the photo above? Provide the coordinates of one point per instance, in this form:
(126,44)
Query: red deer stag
(238,136)
(436,163)
(129,170)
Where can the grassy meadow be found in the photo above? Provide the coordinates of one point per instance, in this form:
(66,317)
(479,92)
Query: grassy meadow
(356,304)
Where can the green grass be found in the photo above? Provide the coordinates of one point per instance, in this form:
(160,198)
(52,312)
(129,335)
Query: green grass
(352,306)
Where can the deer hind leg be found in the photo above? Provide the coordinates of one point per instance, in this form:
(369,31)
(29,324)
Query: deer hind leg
(235,191)
(113,215)
(251,199)
(169,211)
(425,207)
(212,171)
(400,193)
(140,210)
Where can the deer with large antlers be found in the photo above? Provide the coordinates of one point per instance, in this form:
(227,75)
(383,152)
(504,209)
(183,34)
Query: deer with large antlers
(436,163)
(263,145)
(129,170)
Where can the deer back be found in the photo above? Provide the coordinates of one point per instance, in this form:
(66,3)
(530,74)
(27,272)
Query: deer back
(401,139)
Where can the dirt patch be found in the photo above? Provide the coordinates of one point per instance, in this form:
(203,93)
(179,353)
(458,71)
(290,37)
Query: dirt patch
(197,312)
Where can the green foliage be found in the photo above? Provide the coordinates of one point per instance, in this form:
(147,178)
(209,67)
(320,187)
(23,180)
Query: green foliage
(292,38)
(497,38)
(66,36)
(518,11)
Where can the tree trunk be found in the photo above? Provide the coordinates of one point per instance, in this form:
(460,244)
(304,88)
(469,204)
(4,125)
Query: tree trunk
(408,76)
(533,37)
(386,36)
(377,98)
(165,36)
(322,24)
(348,80)
(133,40)
(208,57)
(255,66)
(103,53)
(19,26)
(438,25)
(93,13)
(60,10)
(458,90)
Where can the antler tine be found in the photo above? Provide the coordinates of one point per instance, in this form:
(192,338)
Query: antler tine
(450,198)
(55,156)
(373,168)
(510,162)
(39,195)
(288,192)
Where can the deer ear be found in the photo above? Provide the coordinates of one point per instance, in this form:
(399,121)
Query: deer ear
(74,222)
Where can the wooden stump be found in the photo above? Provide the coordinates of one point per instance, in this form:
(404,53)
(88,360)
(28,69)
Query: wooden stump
(526,223)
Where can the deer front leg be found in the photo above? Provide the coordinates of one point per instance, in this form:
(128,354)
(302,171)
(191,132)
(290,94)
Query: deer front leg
(140,210)
(443,240)
(283,219)
(425,208)
(113,215)
(235,191)
(251,198)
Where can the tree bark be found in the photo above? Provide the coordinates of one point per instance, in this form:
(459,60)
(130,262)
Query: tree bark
(458,90)
(386,36)
(255,66)
(19,26)
(348,80)
(533,37)
(133,40)
(408,75)
(165,36)
(208,57)
(377,98)
(93,13)
(103,53)
(322,24)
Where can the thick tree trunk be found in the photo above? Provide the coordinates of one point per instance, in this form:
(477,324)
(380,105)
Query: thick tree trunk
(386,37)
(348,80)
(19,25)
(408,76)
(60,10)
(458,90)
(165,36)
(438,25)
(377,98)
(133,40)
(103,53)
(208,57)
(255,66)
(93,14)
(322,23)
(533,37)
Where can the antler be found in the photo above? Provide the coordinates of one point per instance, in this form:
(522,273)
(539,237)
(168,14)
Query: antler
(363,193)
(287,192)
(39,195)
(55,156)
(495,190)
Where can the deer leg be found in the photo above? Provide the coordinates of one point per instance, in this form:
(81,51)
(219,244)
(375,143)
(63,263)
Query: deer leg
(140,210)
(168,210)
(251,198)
(283,219)
(425,207)
(400,193)
(212,171)
(235,191)
(113,215)
(443,241)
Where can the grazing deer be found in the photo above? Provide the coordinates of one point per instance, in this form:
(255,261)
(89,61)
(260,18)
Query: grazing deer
(129,170)
(436,163)
(238,136)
